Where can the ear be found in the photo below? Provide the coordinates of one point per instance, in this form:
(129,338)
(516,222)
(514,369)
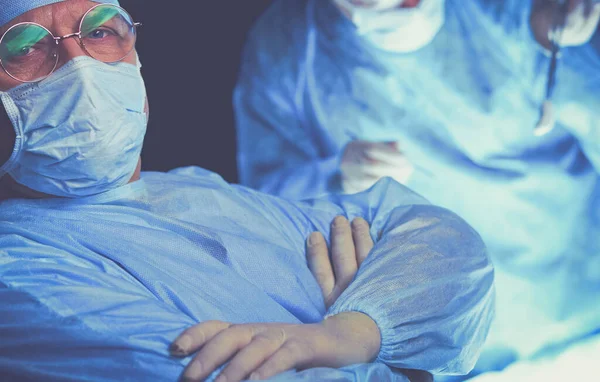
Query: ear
(7,136)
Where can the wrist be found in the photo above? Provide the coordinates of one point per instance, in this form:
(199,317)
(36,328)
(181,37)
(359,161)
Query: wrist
(358,331)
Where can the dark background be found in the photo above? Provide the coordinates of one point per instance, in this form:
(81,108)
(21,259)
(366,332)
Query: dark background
(190,52)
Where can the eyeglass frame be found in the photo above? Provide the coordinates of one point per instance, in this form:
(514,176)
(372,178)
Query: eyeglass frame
(57,40)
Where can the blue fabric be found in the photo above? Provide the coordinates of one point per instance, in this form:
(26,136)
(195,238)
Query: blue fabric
(464,110)
(9,9)
(97,288)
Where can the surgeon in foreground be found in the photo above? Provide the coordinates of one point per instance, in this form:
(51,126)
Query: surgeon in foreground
(107,273)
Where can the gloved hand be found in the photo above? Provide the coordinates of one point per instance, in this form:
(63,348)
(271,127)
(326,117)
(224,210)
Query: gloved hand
(381,5)
(581,24)
(364,163)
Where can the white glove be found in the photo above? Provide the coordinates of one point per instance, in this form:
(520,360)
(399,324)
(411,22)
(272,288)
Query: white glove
(375,5)
(364,163)
(581,23)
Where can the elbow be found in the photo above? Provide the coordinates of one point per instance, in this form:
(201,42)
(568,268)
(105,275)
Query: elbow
(458,286)
(470,294)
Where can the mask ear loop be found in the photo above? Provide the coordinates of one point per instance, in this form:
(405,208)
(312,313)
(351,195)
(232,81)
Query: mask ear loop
(547,118)
(138,63)
(14,118)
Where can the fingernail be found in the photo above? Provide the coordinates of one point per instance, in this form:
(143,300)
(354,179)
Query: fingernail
(339,221)
(254,377)
(313,238)
(182,345)
(194,371)
(359,222)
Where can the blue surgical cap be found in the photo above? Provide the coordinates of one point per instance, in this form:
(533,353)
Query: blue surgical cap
(9,9)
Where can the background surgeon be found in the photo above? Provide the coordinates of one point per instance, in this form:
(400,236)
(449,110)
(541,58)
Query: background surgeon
(457,100)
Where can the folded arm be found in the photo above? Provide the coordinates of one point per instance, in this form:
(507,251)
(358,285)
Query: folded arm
(427,283)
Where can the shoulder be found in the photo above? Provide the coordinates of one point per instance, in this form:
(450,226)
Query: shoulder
(277,38)
(283,23)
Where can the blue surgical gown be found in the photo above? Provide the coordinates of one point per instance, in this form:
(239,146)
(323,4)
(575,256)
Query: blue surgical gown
(463,109)
(96,288)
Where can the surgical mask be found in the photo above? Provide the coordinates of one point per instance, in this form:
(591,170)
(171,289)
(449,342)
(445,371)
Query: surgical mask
(400,30)
(80,131)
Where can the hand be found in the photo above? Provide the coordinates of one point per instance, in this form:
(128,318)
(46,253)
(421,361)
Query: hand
(364,163)
(260,351)
(350,246)
(580,23)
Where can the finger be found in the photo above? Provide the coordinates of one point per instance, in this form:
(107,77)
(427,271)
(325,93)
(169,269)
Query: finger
(360,174)
(193,338)
(364,153)
(385,146)
(343,255)
(291,355)
(252,356)
(389,157)
(362,239)
(319,263)
(218,350)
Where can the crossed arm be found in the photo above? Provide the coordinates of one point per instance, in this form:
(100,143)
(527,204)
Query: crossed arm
(422,298)
(261,351)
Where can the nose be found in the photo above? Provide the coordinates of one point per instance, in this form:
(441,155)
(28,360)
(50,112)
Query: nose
(69,47)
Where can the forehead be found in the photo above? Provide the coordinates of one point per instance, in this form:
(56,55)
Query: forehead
(63,14)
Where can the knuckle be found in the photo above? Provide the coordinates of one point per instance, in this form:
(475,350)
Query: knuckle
(278,336)
(192,331)
(262,339)
(322,275)
(235,327)
(206,327)
(294,348)
(282,335)
(241,330)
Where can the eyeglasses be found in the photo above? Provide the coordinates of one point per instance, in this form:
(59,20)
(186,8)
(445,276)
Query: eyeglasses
(29,51)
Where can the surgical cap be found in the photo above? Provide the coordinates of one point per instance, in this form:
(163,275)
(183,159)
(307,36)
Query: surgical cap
(9,9)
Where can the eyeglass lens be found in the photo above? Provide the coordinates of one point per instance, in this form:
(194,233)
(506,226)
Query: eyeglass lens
(29,52)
